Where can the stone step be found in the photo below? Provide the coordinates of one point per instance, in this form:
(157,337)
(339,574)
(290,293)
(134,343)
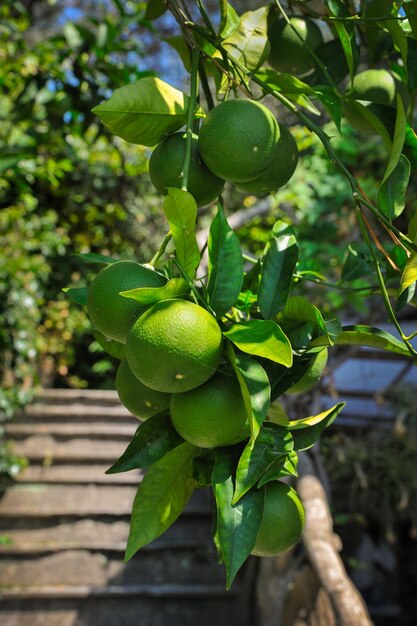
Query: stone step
(136,605)
(88,396)
(182,565)
(43,535)
(43,501)
(76,475)
(76,411)
(96,430)
(45,449)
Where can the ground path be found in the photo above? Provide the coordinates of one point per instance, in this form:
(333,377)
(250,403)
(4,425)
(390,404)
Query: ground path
(64,525)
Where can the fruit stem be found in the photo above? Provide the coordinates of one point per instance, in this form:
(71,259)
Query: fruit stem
(311,52)
(195,56)
(385,295)
(161,249)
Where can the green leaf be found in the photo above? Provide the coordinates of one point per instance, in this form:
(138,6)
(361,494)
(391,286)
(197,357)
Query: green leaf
(10,160)
(78,295)
(152,441)
(238,525)
(357,263)
(225,265)
(398,140)
(154,9)
(411,13)
(147,296)
(361,111)
(257,384)
(286,83)
(332,102)
(360,335)
(229,19)
(302,322)
(346,33)
(268,449)
(409,275)
(145,111)
(161,497)
(181,212)
(399,39)
(279,469)
(308,430)
(230,355)
(277,271)
(95,259)
(249,42)
(391,195)
(112,347)
(262,338)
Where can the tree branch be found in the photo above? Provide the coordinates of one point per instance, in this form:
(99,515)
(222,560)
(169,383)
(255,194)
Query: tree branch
(322,547)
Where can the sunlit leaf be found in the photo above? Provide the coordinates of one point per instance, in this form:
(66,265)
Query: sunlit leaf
(409,275)
(257,384)
(249,42)
(181,212)
(225,265)
(238,525)
(147,296)
(161,497)
(262,338)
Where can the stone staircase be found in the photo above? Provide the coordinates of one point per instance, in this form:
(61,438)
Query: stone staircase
(64,526)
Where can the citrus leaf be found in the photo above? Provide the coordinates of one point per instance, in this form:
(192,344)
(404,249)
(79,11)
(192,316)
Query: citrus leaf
(391,195)
(280,468)
(263,338)
(411,13)
(93,258)
(360,335)
(268,449)
(398,140)
(313,420)
(257,384)
(346,33)
(225,265)
(144,111)
(306,437)
(181,212)
(231,357)
(78,295)
(249,42)
(147,296)
(152,440)
(332,102)
(409,275)
(238,525)
(161,497)
(399,39)
(229,19)
(154,9)
(286,83)
(302,322)
(361,111)
(277,270)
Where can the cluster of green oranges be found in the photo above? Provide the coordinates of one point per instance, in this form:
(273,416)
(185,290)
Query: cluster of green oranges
(239,141)
(173,361)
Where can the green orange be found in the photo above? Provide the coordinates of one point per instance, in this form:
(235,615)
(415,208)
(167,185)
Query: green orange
(237,139)
(166,168)
(140,400)
(213,414)
(282,167)
(174,346)
(288,50)
(282,522)
(111,313)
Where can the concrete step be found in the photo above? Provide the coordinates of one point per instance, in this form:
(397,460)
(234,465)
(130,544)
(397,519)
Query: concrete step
(45,449)
(87,396)
(43,535)
(137,605)
(96,430)
(182,565)
(76,411)
(76,475)
(43,501)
